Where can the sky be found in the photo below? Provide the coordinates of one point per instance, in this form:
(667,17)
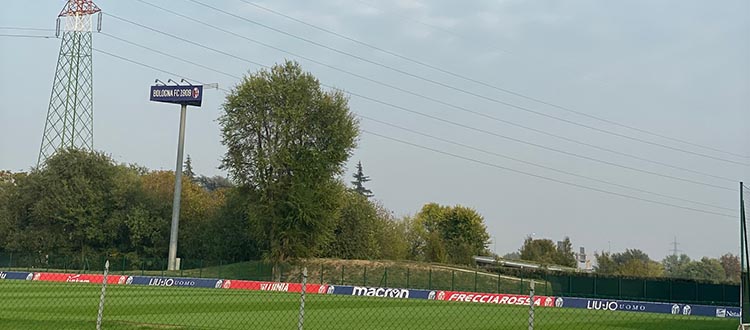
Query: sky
(615,123)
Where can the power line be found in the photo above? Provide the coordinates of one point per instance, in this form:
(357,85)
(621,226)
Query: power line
(25,36)
(445,140)
(417,112)
(171,56)
(544,177)
(479,82)
(458,89)
(16,28)
(538,165)
(539,131)
(458,156)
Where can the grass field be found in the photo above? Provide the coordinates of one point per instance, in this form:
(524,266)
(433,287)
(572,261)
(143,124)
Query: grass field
(44,305)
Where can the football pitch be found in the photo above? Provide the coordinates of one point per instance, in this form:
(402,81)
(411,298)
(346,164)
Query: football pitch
(45,305)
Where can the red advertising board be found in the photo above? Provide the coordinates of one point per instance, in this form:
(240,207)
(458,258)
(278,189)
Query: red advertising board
(495,298)
(79,278)
(273,286)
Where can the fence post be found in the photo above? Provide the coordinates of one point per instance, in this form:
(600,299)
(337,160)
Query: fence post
(365,277)
(322,270)
(531,305)
(301,321)
(407,277)
(429,283)
(101,298)
(453,280)
(385,276)
(498,283)
(475,280)
(342,274)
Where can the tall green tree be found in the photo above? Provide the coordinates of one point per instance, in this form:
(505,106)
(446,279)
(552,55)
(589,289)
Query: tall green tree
(287,140)
(187,168)
(359,182)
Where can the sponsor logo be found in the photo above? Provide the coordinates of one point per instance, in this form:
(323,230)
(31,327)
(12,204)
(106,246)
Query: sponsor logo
(675,309)
(170,282)
(129,280)
(196,92)
(494,299)
(331,289)
(30,277)
(37,276)
(441,295)
(283,287)
(2,276)
(559,302)
(548,301)
(731,313)
(431,295)
(122,280)
(686,310)
(227,284)
(77,279)
(322,289)
(380,292)
(721,312)
(218,284)
(614,305)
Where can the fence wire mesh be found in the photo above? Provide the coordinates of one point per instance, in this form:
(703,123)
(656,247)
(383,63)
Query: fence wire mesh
(327,295)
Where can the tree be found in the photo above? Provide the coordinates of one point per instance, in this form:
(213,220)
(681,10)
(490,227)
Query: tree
(731,265)
(287,140)
(213,183)
(632,262)
(354,233)
(359,182)
(707,269)
(540,250)
(546,252)
(188,169)
(674,265)
(447,234)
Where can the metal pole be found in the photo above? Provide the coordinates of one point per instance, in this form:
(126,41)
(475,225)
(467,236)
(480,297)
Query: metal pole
(101,298)
(531,305)
(301,321)
(172,262)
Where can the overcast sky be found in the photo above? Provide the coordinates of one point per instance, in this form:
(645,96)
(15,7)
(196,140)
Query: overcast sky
(676,68)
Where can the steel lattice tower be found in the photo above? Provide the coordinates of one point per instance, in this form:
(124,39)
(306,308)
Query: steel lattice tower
(70,116)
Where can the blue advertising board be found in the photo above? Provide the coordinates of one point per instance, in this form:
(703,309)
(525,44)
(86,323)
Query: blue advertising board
(380,292)
(189,95)
(174,281)
(16,276)
(648,307)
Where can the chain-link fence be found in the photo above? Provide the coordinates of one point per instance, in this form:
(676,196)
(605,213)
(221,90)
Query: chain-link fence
(47,294)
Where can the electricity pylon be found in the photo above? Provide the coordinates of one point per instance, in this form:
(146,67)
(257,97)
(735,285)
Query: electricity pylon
(70,116)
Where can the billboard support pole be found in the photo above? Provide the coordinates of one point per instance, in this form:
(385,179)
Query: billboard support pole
(172,263)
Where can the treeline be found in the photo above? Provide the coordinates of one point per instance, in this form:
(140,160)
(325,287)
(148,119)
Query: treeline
(83,204)
(633,262)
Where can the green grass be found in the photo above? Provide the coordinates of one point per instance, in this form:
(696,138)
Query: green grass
(43,305)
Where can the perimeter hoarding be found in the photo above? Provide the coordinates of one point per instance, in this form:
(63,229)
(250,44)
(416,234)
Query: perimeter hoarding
(188,95)
(647,307)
